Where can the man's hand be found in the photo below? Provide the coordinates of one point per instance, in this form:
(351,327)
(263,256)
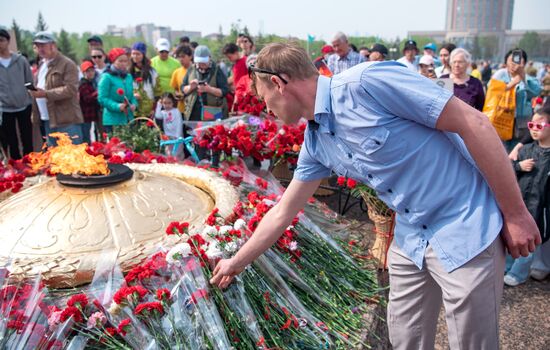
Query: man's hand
(225,271)
(520,234)
(527,164)
(38,93)
(204,88)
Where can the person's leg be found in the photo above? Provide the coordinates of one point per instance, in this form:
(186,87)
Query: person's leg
(540,269)
(414,304)
(520,269)
(10,134)
(25,129)
(86,128)
(471,296)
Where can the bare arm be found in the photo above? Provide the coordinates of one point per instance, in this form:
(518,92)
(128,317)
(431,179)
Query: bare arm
(520,231)
(268,231)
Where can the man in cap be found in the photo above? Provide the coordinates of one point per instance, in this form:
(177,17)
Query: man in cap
(344,57)
(426,66)
(165,65)
(15,102)
(378,52)
(431,50)
(409,55)
(433,159)
(94,42)
(56,106)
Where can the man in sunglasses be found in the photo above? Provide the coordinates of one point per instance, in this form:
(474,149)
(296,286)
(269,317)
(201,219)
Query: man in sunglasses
(430,157)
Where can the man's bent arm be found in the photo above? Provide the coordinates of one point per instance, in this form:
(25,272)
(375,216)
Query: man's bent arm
(488,152)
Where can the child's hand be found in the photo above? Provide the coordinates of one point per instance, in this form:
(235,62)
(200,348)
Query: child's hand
(527,164)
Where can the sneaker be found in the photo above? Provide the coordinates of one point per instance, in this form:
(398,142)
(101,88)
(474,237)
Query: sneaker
(511,281)
(539,275)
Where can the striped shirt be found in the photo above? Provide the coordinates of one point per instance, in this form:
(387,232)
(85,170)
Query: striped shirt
(338,64)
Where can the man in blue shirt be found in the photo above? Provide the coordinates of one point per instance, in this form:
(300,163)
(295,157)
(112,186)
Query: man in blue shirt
(344,57)
(433,159)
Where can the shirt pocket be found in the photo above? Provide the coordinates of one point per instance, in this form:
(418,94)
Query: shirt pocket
(381,146)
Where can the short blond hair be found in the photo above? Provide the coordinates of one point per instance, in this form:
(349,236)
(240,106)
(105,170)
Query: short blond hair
(285,58)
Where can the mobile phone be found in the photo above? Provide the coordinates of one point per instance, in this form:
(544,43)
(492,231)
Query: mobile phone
(30,86)
(202,82)
(516,57)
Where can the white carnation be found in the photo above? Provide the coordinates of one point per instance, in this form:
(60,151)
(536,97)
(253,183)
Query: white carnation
(239,224)
(214,251)
(225,229)
(231,247)
(182,249)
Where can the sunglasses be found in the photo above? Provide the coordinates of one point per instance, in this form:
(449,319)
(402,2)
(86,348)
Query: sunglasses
(252,70)
(100,56)
(537,126)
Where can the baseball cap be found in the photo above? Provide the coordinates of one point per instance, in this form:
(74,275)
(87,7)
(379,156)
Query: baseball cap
(327,49)
(43,37)
(86,65)
(163,45)
(427,60)
(202,54)
(410,45)
(379,48)
(95,38)
(430,46)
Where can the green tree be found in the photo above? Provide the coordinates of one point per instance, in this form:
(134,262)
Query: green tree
(64,45)
(531,43)
(41,23)
(476,48)
(488,47)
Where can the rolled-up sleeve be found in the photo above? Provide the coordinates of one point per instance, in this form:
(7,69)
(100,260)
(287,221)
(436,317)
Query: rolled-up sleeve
(404,93)
(309,169)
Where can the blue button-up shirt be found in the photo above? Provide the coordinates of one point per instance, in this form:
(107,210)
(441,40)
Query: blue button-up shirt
(376,123)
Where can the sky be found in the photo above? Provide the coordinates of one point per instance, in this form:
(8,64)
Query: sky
(321,18)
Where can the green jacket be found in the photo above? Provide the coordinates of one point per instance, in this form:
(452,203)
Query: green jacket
(110,99)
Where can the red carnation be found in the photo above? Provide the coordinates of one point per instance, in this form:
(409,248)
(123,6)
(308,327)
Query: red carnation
(78,300)
(351,183)
(163,294)
(120,91)
(124,326)
(69,312)
(139,80)
(145,308)
(341,181)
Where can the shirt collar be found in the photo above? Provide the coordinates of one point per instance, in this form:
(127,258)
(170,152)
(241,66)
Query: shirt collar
(323,108)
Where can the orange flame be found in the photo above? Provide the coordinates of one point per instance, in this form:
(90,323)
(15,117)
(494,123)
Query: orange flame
(68,159)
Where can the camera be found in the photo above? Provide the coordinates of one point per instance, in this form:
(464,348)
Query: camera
(516,56)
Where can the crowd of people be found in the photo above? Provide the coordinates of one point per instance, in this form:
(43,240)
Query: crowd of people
(184,83)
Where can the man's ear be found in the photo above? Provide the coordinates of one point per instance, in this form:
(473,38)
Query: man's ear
(279,85)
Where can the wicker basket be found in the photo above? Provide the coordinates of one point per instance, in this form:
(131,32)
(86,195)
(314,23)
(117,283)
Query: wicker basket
(384,223)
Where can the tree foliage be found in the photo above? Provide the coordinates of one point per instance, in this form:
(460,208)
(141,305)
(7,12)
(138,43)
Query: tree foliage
(531,43)
(41,23)
(64,45)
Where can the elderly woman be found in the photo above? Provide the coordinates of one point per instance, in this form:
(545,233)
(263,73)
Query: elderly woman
(466,87)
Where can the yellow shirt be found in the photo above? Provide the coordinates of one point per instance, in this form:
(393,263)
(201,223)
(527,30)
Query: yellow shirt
(476,74)
(175,82)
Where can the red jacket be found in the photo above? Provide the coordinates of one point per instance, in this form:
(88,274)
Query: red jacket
(88,101)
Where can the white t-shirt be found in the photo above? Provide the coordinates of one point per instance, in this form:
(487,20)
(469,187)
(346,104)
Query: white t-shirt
(42,103)
(5,61)
(171,121)
(412,66)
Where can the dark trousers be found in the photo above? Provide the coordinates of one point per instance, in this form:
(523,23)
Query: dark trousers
(8,130)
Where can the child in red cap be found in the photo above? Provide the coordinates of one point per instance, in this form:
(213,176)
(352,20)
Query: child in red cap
(88,99)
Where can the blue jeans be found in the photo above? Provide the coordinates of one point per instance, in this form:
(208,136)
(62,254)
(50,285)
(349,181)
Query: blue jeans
(73,130)
(86,128)
(519,268)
